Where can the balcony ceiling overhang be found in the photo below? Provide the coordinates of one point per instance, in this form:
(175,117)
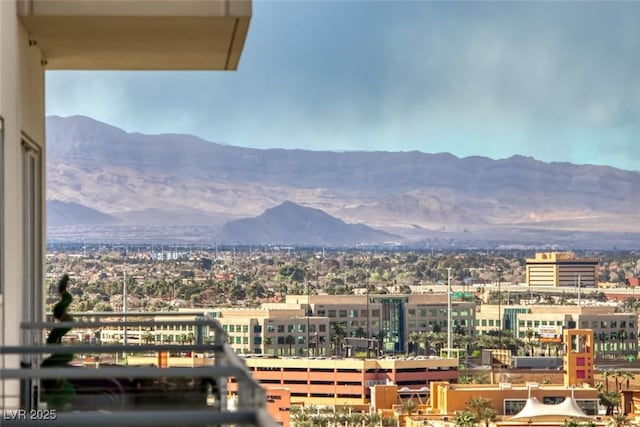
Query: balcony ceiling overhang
(137,34)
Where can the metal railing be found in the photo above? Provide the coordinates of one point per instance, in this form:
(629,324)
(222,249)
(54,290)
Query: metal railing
(130,395)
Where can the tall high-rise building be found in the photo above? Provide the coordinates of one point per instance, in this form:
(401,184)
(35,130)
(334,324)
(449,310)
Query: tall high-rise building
(561,269)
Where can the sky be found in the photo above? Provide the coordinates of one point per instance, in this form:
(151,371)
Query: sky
(557,81)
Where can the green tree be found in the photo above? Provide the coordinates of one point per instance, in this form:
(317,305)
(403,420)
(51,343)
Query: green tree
(610,400)
(482,409)
(570,423)
(619,420)
(290,341)
(414,340)
(530,334)
(465,419)
(148,338)
(338,333)
(409,407)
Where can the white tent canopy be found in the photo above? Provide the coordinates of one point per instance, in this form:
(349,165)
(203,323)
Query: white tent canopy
(536,410)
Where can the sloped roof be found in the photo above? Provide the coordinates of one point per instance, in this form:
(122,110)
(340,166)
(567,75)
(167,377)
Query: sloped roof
(539,411)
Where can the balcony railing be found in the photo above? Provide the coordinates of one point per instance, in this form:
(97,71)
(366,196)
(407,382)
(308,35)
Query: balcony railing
(115,394)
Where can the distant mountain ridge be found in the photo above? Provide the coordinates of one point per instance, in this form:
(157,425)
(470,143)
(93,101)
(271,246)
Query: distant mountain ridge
(181,179)
(290,223)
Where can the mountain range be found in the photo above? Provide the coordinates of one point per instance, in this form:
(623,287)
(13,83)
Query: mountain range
(103,177)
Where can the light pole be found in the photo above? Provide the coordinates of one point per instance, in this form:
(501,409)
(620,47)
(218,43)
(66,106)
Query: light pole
(306,276)
(368,317)
(499,311)
(449,328)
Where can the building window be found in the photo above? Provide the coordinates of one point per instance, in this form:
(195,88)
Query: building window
(322,328)
(245,328)
(343,313)
(257,329)
(589,407)
(513,406)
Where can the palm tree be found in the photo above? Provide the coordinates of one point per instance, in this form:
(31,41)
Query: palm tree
(438,339)
(465,419)
(606,374)
(148,338)
(424,337)
(373,419)
(267,342)
(619,420)
(482,408)
(290,340)
(409,407)
(628,376)
(338,335)
(414,339)
(617,375)
(610,399)
(191,338)
(530,334)
(570,423)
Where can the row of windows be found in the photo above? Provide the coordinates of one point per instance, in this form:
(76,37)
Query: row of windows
(175,327)
(422,324)
(534,323)
(300,340)
(442,312)
(348,313)
(612,324)
(295,328)
(236,328)
(243,340)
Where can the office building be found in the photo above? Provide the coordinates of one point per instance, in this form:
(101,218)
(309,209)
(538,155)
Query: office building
(561,269)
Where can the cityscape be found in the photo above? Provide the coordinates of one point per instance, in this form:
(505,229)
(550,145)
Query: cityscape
(319,214)
(287,311)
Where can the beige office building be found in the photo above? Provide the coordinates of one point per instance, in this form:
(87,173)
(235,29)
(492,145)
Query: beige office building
(561,269)
(615,334)
(277,329)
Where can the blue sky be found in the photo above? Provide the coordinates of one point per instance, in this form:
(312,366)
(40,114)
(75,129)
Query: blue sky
(558,81)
